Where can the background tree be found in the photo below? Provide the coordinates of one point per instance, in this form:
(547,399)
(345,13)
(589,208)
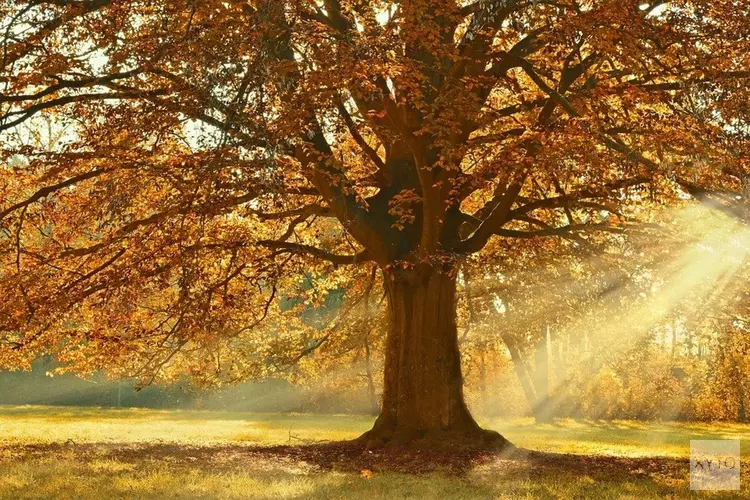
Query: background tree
(216,150)
(660,337)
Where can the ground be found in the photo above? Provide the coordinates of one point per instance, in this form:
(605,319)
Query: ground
(136,453)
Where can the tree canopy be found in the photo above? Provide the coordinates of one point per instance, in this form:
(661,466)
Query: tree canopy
(170,169)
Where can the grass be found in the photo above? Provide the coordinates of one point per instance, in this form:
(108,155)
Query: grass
(34,424)
(59,452)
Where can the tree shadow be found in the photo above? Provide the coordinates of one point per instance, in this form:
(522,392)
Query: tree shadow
(347,456)
(464,473)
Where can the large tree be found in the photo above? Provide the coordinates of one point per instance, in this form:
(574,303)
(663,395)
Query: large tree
(171,165)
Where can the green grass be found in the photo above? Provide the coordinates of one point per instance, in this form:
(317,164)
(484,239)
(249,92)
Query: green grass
(618,437)
(59,452)
(35,424)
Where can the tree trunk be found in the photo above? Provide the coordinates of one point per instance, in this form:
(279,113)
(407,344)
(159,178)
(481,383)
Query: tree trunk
(423,402)
(542,411)
(741,408)
(559,388)
(374,406)
(523,374)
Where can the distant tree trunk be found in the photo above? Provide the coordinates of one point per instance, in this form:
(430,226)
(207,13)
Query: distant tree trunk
(423,397)
(482,372)
(557,347)
(521,372)
(535,390)
(541,378)
(560,388)
(374,406)
(741,410)
(740,378)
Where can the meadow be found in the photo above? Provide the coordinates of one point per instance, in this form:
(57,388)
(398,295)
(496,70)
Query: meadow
(72,452)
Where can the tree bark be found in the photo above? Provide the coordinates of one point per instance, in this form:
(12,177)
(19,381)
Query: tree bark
(423,402)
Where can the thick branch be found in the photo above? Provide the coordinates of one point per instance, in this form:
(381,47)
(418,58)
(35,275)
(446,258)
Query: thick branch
(498,215)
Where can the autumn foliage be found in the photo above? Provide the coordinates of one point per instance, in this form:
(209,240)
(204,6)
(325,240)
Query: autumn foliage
(176,174)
